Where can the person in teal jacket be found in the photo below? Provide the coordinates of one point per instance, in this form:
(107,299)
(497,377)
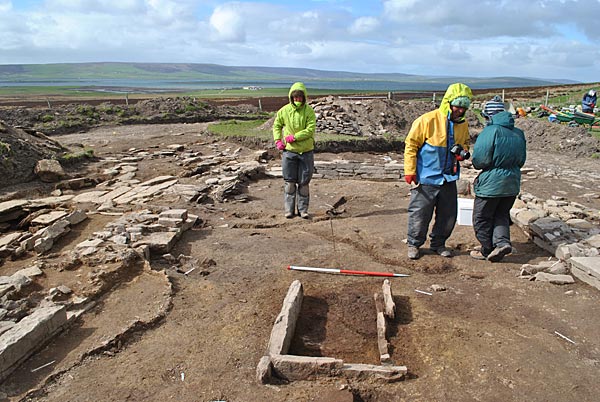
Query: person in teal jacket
(500,152)
(294,134)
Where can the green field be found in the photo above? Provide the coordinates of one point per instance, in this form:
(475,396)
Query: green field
(78,92)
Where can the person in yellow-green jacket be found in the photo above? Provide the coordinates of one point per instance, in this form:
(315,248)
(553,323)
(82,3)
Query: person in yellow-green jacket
(436,143)
(294,134)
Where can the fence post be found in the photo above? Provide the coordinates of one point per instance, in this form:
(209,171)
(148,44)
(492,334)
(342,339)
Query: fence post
(127,98)
(547,94)
(259,105)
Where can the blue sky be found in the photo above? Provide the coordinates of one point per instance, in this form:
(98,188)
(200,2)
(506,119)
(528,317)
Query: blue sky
(535,38)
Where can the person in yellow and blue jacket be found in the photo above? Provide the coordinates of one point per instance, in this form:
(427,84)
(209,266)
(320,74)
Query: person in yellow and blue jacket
(430,165)
(294,134)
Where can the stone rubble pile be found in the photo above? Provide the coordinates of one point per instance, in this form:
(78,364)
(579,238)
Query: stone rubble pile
(568,230)
(372,117)
(222,176)
(30,317)
(26,322)
(144,231)
(44,226)
(348,169)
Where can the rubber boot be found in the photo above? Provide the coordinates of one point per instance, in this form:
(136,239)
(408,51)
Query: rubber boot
(289,199)
(303,200)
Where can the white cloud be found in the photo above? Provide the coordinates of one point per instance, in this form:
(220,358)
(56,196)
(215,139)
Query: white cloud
(5,6)
(540,38)
(227,24)
(363,25)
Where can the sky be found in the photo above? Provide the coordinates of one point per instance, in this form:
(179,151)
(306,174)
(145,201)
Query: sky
(549,39)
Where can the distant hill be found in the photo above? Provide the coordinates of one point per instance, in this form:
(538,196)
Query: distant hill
(55,74)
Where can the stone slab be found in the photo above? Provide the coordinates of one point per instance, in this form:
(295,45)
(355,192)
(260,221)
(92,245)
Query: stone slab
(388,299)
(374,373)
(115,193)
(160,242)
(263,370)
(586,269)
(10,238)
(50,217)
(27,335)
(285,323)
(89,197)
(9,206)
(296,368)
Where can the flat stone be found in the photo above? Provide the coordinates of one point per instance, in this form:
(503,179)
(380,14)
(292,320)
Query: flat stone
(524,218)
(579,223)
(22,340)
(555,279)
(115,193)
(388,299)
(174,214)
(295,368)
(76,217)
(51,202)
(157,180)
(549,224)
(566,251)
(159,242)
(264,370)
(43,244)
(285,323)
(170,222)
(89,197)
(372,372)
(50,217)
(589,265)
(154,189)
(9,206)
(30,272)
(89,243)
(593,241)
(57,229)
(10,238)
(5,326)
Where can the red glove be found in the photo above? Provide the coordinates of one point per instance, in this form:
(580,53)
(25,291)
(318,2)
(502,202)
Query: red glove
(290,139)
(459,158)
(280,145)
(410,178)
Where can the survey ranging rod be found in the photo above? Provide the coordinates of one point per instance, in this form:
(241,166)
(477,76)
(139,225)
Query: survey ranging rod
(346,271)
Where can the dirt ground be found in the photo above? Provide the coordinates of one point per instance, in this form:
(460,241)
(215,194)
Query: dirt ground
(198,337)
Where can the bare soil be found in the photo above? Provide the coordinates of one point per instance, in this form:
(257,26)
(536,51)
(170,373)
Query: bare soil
(198,337)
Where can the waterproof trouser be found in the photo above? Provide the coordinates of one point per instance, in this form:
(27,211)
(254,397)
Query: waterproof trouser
(491,221)
(424,200)
(297,170)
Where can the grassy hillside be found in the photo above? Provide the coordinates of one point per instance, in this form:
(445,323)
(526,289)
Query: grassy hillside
(44,73)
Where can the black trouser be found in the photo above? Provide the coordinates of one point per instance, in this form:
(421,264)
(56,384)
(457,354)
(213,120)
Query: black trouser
(424,199)
(491,220)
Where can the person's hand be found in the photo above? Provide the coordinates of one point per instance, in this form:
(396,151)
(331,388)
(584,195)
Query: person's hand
(459,158)
(410,178)
(280,145)
(290,139)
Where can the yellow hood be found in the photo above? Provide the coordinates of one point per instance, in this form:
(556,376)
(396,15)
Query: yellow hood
(453,92)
